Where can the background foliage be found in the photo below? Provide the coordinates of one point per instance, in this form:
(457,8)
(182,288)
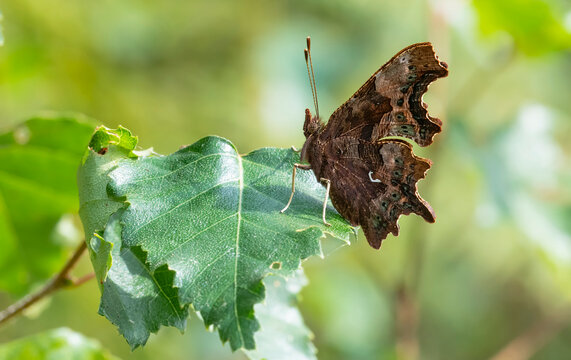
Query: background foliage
(495,265)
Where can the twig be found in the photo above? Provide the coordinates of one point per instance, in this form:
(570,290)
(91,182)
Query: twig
(407,344)
(80,281)
(59,281)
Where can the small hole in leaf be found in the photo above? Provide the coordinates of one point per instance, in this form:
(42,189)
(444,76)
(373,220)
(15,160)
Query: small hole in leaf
(276,265)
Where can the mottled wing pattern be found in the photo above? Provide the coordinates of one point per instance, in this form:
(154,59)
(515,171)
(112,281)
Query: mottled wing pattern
(375,184)
(390,102)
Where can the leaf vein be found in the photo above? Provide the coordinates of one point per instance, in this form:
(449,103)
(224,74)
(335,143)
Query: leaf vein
(198,233)
(181,167)
(181,204)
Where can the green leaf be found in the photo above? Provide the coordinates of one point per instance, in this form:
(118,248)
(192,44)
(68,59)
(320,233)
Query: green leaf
(38,165)
(61,344)
(120,138)
(212,217)
(283,334)
(106,148)
(533,24)
(129,286)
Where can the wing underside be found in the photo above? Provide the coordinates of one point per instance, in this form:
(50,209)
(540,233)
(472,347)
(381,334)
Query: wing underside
(390,102)
(376,183)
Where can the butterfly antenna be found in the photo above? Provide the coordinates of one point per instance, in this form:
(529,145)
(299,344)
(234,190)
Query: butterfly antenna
(311,75)
(306,52)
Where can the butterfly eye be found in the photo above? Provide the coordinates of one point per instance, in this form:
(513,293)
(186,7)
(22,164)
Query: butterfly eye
(384,205)
(400,102)
(397,173)
(411,77)
(400,116)
(395,195)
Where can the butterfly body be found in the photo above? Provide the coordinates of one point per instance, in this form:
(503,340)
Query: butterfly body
(373,178)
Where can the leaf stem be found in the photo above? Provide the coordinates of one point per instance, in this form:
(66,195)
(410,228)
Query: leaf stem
(82,280)
(61,280)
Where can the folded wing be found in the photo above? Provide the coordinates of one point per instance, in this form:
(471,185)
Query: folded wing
(390,102)
(376,183)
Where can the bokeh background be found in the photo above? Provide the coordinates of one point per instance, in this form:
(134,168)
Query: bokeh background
(491,278)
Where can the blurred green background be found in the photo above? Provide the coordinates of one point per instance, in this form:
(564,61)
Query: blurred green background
(492,277)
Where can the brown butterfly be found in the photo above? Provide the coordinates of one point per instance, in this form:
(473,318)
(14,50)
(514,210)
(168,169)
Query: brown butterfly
(371,178)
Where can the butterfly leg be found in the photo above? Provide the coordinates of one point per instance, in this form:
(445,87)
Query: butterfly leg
(328,182)
(295,166)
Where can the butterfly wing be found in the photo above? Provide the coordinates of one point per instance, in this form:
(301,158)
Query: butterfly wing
(375,184)
(390,102)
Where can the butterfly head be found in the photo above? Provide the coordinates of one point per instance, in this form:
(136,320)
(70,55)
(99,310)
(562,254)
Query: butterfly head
(311,125)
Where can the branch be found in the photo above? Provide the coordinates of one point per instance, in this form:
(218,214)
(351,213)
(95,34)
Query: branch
(59,281)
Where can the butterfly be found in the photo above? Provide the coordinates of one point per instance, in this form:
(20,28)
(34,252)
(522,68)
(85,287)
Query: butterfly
(370,176)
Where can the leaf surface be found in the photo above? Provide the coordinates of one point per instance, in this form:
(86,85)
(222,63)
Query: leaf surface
(283,333)
(535,25)
(106,149)
(61,344)
(138,301)
(212,217)
(38,165)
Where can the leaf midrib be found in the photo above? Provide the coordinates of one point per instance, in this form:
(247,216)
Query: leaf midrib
(237,253)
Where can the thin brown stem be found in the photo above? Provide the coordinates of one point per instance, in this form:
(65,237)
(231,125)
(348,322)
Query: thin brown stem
(407,344)
(59,281)
(82,280)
